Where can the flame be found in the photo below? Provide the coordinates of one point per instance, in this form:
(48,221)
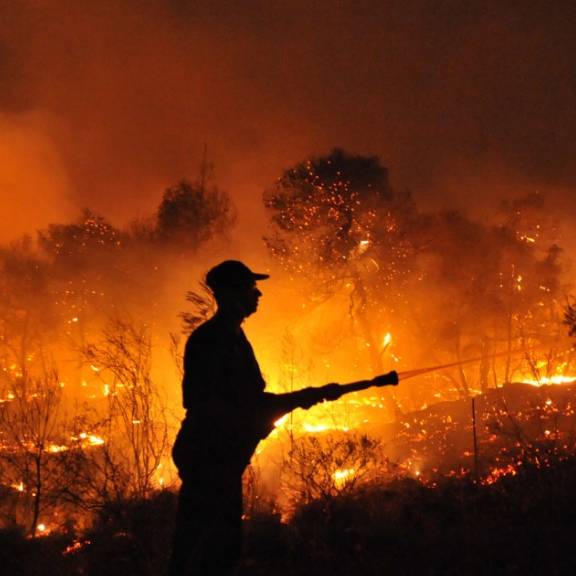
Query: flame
(386,340)
(56,448)
(89,439)
(94,440)
(76,546)
(315,427)
(343,476)
(42,529)
(499,472)
(549,380)
(363,245)
(281,421)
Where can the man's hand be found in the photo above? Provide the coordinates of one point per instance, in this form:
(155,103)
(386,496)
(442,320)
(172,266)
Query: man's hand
(331,392)
(389,379)
(309,397)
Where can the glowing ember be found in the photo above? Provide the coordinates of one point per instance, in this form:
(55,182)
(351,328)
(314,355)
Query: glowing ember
(42,529)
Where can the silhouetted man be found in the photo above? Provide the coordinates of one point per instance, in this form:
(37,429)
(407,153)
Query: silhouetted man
(227,414)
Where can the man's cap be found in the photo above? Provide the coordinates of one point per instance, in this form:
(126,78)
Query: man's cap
(232,274)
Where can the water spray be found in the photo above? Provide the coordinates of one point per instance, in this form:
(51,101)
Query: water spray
(419,371)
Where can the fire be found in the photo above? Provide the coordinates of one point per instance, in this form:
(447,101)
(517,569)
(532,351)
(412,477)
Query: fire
(343,476)
(387,340)
(89,439)
(549,380)
(94,440)
(499,472)
(363,246)
(42,529)
(315,428)
(76,546)
(56,448)
(281,421)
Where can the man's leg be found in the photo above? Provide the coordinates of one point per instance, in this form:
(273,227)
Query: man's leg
(208,534)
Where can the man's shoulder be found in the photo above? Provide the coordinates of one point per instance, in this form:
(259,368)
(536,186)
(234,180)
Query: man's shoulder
(207,334)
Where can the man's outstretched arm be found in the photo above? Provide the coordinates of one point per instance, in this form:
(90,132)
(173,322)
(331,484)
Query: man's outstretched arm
(274,406)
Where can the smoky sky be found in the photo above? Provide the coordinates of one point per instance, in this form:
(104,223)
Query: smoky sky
(105,104)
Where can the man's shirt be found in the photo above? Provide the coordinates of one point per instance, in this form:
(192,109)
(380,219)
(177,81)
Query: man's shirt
(219,364)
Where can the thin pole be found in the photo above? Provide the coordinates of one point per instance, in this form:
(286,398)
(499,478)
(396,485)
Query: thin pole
(475,437)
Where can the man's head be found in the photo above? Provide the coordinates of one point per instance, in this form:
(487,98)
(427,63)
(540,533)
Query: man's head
(234,286)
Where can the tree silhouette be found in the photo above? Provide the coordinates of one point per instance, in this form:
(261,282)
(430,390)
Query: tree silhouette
(570,318)
(192,213)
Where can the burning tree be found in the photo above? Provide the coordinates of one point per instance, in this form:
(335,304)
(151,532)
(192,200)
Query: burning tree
(462,288)
(136,426)
(39,458)
(487,289)
(336,220)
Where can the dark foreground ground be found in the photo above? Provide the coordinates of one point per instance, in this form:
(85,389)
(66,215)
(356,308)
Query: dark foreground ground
(525,524)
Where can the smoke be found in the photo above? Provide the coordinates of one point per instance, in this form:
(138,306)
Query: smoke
(33,178)
(105,104)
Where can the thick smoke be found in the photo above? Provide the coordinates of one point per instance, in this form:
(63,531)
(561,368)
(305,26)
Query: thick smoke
(106,104)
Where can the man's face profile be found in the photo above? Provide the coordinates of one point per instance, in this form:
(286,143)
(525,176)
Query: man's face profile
(242,297)
(247,297)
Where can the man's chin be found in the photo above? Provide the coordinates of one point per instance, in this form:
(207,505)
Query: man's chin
(249,311)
